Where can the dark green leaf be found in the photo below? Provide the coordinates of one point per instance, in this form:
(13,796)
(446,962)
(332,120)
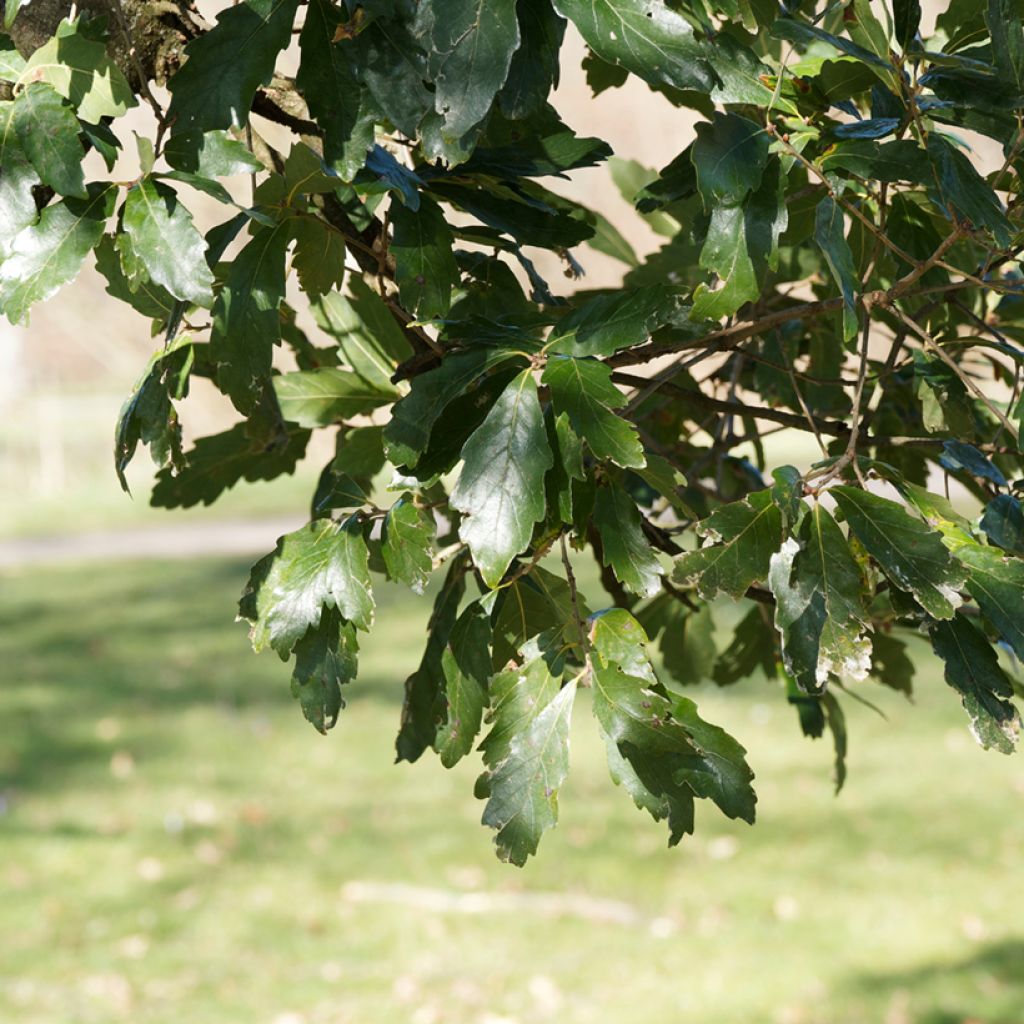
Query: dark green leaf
(167,243)
(325,659)
(624,548)
(607,323)
(369,339)
(901,160)
(645,37)
(908,552)
(246,318)
(407,434)
(1007,31)
(319,256)
(466,666)
(425,265)
(17,179)
(819,610)
(906,21)
(582,389)
(469,45)
(406,543)
(962,191)
(831,238)
(423,708)
(147,298)
(996,582)
(1003,523)
(219,461)
(729,155)
(225,66)
(972,669)
(534,68)
(740,539)
(322,565)
(501,487)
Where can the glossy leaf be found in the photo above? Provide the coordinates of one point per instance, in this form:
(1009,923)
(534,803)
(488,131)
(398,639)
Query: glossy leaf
(908,552)
(972,669)
(501,487)
(819,611)
(167,243)
(317,398)
(582,389)
(406,543)
(740,539)
(322,565)
(215,87)
(48,132)
(625,549)
(466,667)
(424,262)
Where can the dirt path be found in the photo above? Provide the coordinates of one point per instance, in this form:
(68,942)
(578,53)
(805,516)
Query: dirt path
(230,537)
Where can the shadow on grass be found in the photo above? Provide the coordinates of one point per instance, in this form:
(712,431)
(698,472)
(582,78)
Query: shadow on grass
(986,988)
(140,643)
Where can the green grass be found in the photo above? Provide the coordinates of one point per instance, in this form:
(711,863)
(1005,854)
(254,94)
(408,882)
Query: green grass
(178,845)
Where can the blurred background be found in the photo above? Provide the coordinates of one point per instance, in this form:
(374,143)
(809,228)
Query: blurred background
(176,843)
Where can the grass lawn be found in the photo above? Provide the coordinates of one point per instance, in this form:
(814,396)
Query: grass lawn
(179,845)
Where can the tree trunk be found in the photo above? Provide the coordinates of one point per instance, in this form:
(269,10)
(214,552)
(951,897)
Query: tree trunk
(146,36)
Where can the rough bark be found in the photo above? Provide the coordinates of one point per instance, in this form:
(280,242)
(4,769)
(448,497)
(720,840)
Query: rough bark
(146,36)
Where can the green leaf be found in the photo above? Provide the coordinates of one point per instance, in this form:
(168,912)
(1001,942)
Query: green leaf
(47,255)
(407,434)
(523,788)
(900,160)
(217,83)
(325,396)
(624,548)
(996,582)
(1007,31)
(339,102)
(582,389)
(501,487)
(469,46)
(17,179)
(686,638)
(908,552)
(325,659)
(538,602)
(831,239)
(972,669)
(219,461)
(148,414)
(322,565)
(151,300)
(963,191)
(466,666)
(406,543)
(369,340)
(246,318)
(167,243)
(210,154)
(621,319)
(725,254)
(1003,523)
(645,37)
(319,256)
(797,32)
(729,155)
(48,133)
(907,21)
(425,266)
(753,647)
(80,70)
(534,69)
(658,747)
(423,707)
(740,539)
(819,610)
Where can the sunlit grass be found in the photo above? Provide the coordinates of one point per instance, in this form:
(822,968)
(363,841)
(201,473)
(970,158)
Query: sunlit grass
(178,845)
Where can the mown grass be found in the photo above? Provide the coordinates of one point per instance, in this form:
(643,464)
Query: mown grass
(178,845)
